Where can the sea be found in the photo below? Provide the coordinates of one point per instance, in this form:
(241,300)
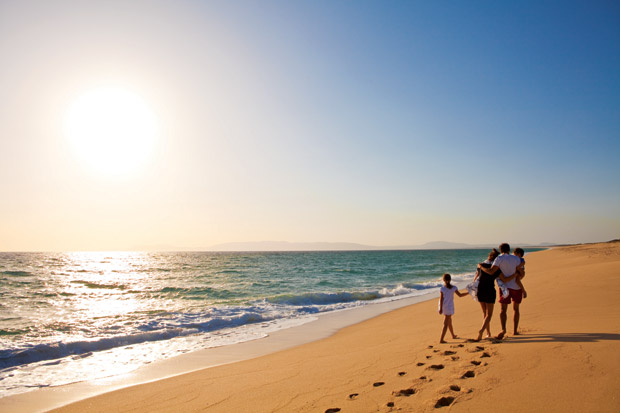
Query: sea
(78,316)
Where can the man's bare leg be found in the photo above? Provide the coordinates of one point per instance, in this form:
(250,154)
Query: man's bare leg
(516,318)
(502,318)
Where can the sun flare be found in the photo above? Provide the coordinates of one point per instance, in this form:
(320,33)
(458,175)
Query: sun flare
(111,129)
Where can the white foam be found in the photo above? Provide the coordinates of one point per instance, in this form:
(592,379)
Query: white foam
(278,336)
(171,334)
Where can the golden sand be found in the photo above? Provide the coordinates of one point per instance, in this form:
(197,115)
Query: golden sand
(567,357)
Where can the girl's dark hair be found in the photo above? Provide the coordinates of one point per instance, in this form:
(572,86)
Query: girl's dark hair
(519,251)
(493,254)
(447,278)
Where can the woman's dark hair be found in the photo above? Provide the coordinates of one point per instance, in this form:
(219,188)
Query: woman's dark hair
(493,254)
(447,278)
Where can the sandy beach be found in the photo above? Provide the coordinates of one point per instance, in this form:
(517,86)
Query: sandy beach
(565,358)
(250,206)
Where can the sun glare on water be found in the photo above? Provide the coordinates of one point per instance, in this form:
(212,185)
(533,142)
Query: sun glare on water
(111,129)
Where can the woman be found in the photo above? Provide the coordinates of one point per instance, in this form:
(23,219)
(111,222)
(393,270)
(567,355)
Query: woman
(486,292)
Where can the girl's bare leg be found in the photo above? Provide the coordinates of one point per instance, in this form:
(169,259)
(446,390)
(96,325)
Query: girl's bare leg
(446,319)
(451,328)
(490,314)
(484,310)
(487,321)
(484,317)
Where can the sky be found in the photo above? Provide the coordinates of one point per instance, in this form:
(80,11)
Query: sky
(381,123)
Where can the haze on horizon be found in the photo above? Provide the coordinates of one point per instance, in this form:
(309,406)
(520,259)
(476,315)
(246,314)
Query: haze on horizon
(196,123)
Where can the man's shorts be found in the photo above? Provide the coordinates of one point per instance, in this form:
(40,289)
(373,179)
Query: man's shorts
(513,295)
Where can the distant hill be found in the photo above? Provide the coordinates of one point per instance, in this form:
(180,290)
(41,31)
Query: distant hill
(290,246)
(444,245)
(328,246)
(345,246)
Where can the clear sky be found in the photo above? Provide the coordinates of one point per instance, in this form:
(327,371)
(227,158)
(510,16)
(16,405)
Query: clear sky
(382,123)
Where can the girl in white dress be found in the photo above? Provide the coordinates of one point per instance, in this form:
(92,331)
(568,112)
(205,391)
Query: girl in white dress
(446,305)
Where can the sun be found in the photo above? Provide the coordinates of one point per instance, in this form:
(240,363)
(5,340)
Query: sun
(111,129)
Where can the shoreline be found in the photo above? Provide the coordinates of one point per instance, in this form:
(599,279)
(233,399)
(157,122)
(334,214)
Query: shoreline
(565,358)
(322,326)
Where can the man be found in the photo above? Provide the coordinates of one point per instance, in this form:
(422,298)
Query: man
(508,264)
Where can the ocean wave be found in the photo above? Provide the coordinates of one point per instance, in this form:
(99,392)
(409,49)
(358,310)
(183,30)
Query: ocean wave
(196,293)
(344,297)
(17,273)
(94,285)
(154,331)
(322,298)
(13,331)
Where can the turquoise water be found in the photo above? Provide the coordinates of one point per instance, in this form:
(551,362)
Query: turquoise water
(65,315)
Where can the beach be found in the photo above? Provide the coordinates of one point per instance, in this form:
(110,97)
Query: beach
(243,206)
(565,358)
(70,318)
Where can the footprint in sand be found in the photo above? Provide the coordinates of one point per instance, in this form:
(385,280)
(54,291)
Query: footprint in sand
(402,373)
(390,404)
(485,354)
(454,387)
(444,401)
(468,374)
(333,410)
(352,396)
(449,352)
(403,392)
(436,366)
(420,364)
(428,357)
(455,358)
(378,384)
(476,362)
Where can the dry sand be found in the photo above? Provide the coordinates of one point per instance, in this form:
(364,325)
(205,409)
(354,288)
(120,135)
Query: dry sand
(566,359)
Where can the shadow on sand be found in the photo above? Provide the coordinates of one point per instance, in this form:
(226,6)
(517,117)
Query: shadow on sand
(564,338)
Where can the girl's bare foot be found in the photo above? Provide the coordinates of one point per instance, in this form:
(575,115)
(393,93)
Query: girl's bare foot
(442,341)
(455,337)
(501,335)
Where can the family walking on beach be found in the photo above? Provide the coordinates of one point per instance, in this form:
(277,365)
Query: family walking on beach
(501,267)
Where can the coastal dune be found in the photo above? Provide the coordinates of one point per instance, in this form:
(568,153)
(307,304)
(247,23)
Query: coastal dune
(565,358)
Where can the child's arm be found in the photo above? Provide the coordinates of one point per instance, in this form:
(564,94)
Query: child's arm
(521,271)
(441,302)
(460,294)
